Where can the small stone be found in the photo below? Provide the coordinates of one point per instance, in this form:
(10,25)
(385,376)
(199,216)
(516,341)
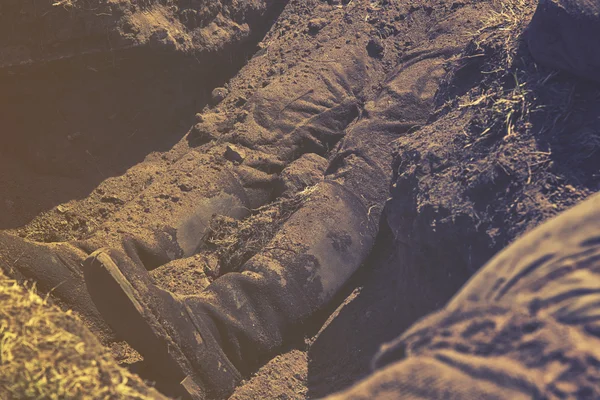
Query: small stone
(315,25)
(184,187)
(199,118)
(375,47)
(219,94)
(112,200)
(235,154)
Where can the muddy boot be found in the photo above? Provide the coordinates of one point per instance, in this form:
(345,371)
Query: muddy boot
(172,224)
(159,325)
(210,341)
(55,268)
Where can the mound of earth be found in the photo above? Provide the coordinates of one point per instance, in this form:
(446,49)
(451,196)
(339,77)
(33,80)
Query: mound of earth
(510,145)
(563,34)
(50,354)
(43,31)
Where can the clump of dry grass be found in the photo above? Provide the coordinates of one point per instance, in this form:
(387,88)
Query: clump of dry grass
(65,3)
(46,353)
(507,21)
(505,100)
(236,241)
(506,108)
(517,114)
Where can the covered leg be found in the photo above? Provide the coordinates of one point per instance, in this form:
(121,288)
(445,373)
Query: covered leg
(242,318)
(228,164)
(161,224)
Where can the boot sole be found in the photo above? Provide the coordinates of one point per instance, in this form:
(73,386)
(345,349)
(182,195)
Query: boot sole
(117,301)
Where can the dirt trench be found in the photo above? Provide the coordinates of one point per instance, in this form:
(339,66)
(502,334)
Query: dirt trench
(72,123)
(84,99)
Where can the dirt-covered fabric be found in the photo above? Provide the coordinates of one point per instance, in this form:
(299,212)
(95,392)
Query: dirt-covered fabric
(241,319)
(259,310)
(305,110)
(563,34)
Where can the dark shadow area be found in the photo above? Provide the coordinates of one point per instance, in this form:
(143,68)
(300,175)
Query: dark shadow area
(398,285)
(572,136)
(68,125)
(144,370)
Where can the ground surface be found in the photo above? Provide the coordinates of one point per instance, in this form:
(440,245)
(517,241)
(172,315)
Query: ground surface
(509,145)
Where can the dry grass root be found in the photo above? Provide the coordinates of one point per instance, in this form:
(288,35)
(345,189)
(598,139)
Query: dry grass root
(46,353)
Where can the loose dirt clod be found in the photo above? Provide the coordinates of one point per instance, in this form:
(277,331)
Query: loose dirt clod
(375,47)
(218,95)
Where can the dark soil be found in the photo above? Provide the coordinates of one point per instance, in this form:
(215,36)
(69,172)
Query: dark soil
(509,145)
